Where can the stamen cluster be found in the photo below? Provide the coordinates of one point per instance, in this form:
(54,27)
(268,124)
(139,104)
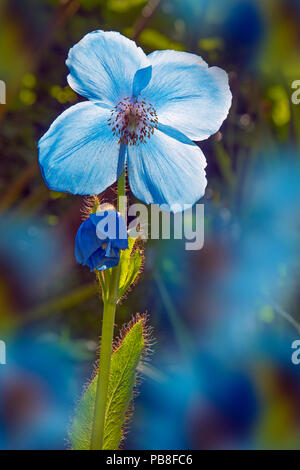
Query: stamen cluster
(133,121)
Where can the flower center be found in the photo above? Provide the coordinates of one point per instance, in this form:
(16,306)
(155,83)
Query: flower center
(133,121)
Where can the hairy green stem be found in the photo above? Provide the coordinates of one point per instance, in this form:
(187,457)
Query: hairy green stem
(109,310)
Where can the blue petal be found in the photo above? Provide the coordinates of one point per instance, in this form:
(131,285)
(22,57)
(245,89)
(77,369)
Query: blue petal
(103,65)
(114,225)
(187,94)
(104,224)
(86,241)
(141,79)
(79,154)
(167,169)
(110,251)
(100,261)
(161,57)
(111,224)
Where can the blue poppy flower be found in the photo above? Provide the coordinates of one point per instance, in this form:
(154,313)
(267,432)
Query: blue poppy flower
(143,111)
(99,240)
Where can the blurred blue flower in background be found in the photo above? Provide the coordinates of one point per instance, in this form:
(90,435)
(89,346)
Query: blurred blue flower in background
(38,386)
(220,399)
(29,253)
(203,403)
(29,246)
(143,109)
(231,30)
(238,387)
(243,30)
(98,247)
(264,245)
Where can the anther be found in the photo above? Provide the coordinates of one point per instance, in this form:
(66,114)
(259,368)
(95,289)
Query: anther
(133,121)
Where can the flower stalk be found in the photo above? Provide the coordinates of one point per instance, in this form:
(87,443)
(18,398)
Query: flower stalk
(110,299)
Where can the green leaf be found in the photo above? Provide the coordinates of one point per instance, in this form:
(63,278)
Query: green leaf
(125,358)
(211,44)
(122,6)
(153,39)
(130,263)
